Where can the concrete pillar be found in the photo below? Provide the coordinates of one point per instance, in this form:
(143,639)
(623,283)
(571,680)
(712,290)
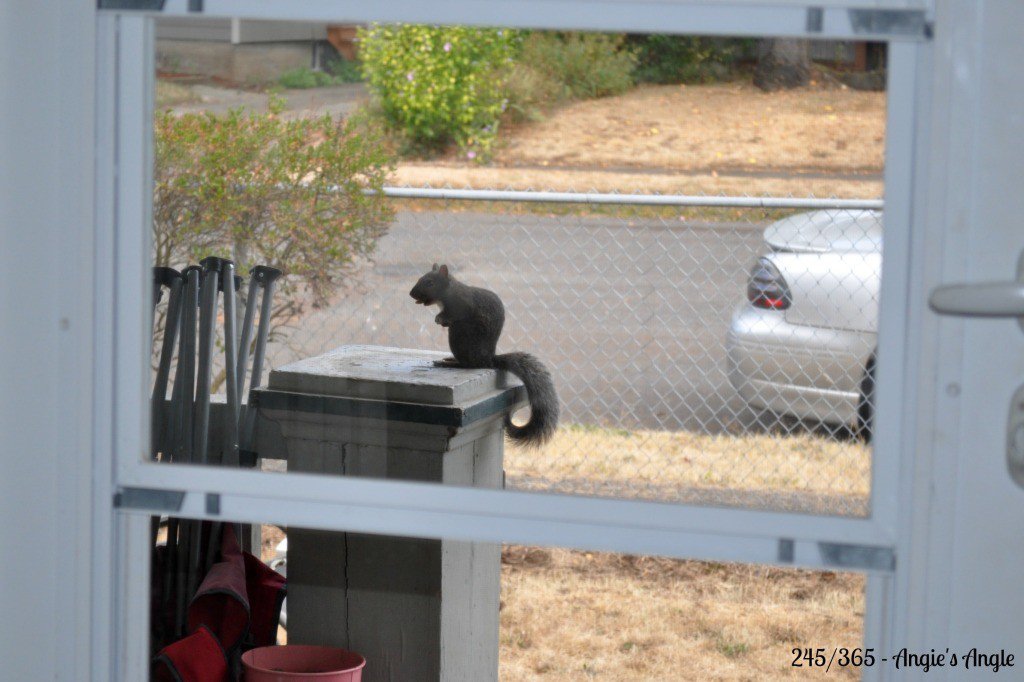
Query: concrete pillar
(416,609)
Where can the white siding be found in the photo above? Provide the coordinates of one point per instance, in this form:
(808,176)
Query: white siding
(219,30)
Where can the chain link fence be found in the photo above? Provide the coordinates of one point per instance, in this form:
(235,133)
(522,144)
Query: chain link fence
(713,350)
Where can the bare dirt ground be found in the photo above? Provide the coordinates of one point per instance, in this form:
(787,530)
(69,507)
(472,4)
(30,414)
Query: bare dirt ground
(713,139)
(732,126)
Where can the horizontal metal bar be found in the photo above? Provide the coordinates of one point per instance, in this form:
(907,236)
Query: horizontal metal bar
(677,544)
(890,22)
(755,18)
(809,203)
(614,198)
(152,499)
(433,510)
(134,5)
(864,557)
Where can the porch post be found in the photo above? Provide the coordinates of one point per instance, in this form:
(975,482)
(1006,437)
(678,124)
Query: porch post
(417,609)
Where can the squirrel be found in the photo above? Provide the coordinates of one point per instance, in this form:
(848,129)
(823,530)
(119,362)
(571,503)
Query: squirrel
(474,318)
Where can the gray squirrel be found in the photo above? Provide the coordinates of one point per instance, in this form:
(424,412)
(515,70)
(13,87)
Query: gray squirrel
(474,318)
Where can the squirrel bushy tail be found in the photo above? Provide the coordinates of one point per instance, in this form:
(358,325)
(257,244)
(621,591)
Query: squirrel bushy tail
(540,390)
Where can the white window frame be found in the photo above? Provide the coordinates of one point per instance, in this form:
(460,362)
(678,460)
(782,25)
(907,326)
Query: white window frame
(123,197)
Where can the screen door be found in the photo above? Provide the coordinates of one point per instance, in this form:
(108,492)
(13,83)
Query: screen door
(724,357)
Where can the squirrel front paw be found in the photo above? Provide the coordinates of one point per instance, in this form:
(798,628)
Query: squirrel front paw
(441,320)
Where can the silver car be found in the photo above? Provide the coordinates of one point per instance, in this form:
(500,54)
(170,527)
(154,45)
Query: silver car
(803,342)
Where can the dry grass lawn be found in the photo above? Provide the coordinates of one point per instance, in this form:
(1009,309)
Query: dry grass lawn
(580,616)
(730,125)
(667,461)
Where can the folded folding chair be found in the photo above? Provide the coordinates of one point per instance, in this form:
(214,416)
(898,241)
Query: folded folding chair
(204,586)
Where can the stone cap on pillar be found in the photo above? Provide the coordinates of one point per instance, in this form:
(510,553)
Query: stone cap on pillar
(391,384)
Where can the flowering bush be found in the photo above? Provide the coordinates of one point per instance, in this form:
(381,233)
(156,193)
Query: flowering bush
(440,84)
(263,190)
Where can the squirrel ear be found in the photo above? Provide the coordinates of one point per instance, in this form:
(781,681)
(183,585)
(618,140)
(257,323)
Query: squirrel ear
(434,269)
(443,271)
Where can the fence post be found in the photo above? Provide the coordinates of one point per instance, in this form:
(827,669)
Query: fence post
(417,609)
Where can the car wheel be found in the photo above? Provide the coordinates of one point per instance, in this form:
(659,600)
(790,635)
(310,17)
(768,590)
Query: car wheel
(866,402)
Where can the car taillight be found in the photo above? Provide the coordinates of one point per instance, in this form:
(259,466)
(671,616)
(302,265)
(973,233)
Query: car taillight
(766,288)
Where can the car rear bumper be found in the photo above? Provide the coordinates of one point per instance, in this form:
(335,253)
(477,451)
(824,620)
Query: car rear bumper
(808,372)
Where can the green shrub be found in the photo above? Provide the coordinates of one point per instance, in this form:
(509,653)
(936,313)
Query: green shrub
(346,70)
(439,84)
(530,92)
(579,65)
(304,78)
(261,189)
(687,59)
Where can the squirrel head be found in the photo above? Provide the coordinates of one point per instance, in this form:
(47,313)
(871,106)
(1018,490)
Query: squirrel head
(432,285)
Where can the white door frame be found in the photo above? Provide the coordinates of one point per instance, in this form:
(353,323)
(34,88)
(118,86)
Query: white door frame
(961,543)
(124,106)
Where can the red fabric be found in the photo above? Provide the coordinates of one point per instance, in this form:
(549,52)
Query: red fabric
(266,589)
(222,602)
(237,607)
(197,658)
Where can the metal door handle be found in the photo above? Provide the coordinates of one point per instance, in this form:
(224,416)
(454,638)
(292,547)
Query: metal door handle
(985,299)
(991,299)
